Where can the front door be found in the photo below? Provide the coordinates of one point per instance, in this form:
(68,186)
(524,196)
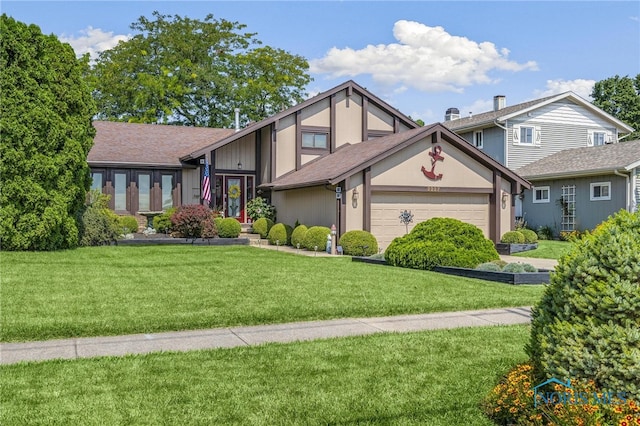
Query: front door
(234,189)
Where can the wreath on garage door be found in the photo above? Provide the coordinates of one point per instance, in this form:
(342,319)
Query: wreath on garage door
(234,192)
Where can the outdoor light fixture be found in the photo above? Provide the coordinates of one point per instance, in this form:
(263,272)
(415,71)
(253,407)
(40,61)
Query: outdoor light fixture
(505,197)
(355,194)
(239,165)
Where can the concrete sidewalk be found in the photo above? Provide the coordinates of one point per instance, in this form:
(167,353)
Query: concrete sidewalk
(11,353)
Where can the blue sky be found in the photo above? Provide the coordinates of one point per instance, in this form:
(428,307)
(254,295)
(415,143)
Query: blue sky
(420,56)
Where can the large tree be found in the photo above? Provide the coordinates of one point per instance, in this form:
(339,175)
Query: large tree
(190,72)
(620,97)
(45,136)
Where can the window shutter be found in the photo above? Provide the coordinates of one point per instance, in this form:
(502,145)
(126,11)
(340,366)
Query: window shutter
(589,137)
(608,138)
(516,134)
(538,136)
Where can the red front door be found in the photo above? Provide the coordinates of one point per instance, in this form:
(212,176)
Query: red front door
(235,196)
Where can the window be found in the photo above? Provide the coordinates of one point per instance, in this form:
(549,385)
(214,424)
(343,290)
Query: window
(167,191)
(598,138)
(144,192)
(527,135)
(541,194)
(120,189)
(600,191)
(314,140)
(477,139)
(96,181)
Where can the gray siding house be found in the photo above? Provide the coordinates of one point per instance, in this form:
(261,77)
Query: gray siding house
(531,132)
(576,189)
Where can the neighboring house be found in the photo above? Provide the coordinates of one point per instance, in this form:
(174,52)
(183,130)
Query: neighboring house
(522,134)
(578,188)
(343,157)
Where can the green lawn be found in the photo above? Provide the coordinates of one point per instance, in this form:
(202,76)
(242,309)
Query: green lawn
(121,290)
(548,249)
(425,378)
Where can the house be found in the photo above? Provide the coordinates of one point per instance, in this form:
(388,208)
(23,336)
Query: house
(519,135)
(575,189)
(343,157)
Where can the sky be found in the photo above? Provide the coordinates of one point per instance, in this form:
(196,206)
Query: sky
(421,57)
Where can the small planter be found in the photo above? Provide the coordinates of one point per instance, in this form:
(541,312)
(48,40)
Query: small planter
(507,249)
(540,277)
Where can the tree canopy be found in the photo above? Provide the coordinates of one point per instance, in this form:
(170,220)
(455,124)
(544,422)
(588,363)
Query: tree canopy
(45,136)
(182,71)
(620,97)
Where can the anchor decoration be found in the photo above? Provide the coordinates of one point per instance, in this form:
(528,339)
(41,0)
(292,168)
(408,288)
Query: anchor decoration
(435,157)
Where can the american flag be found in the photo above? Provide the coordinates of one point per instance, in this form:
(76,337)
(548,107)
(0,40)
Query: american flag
(206,183)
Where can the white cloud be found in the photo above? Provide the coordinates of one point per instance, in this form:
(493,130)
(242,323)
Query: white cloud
(581,87)
(93,41)
(478,107)
(425,58)
(634,18)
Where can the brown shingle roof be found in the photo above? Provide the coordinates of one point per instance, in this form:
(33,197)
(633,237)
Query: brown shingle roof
(587,160)
(148,144)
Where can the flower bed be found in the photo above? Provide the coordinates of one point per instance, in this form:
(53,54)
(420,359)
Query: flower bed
(540,277)
(508,249)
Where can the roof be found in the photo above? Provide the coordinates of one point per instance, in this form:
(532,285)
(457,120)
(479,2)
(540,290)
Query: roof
(350,84)
(118,143)
(506,113)
(349,159)
(585,161)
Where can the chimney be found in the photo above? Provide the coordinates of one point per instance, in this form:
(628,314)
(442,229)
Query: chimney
(237,110)
(499,102)
(452,114)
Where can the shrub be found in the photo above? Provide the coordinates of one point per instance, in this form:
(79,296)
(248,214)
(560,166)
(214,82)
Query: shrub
(128,224)
(316,236)
(545,233)
(571,235)
(530,236)
(228,228)
(259,207)
(162,222)
(189,220)
(489,267)
(99,226)
(586,324)
(501,263)
(209,228)
(280,234)
(359,243)
(297,236)
(529,268)
(441,242)
(514,268)
(262,226)
(512,237)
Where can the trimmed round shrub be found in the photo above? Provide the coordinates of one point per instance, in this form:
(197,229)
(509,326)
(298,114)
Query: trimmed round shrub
(441,242)
(358,243)
(162,222)
(188,220)
(128,224)
(530,236)
(489,267)
(262,226)
(228,227)
(280,234)
(529,268)
(586,324)
(515,268)
(297,236)
(316,236)
(512,237)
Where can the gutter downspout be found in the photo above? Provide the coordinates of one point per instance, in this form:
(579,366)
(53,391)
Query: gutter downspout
(628,189)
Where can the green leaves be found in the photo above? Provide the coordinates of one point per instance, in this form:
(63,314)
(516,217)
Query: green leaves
(45,136)
(620,97)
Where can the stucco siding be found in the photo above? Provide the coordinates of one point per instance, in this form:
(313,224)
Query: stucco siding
(309,206)
(588,213)
(377,119)
(286,146)
(317,114)
(355,208)
(348,119)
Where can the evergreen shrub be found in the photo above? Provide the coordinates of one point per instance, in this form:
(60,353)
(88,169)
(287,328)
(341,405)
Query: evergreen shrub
(489,267)
(128,224)
(515,268)
(587,324)
(262,226)
(280,234)
(530,236)
(441,242)
(297,236)
(358,243)
(228,227)
(189,220)
(316,236)
(162,222)
(512,237)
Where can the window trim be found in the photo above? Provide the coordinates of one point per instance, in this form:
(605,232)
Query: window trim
(316,130)
(536,135)
(475,140)
(541,200)
(593,185)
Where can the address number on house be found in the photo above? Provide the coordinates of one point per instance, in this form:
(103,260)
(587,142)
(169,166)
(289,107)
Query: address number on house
(433,188)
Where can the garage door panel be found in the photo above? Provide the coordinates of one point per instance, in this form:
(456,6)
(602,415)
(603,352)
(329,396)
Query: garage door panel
(386,208)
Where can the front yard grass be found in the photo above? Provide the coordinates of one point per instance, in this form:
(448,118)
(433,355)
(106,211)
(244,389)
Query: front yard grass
(548,249)
(424,378)
(122,290)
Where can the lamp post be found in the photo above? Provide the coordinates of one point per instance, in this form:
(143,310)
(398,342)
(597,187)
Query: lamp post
(333,239)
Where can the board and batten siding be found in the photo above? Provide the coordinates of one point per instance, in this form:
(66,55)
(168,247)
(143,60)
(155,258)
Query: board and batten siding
(563,125)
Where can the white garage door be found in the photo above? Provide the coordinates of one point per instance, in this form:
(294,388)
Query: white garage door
(387,206)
